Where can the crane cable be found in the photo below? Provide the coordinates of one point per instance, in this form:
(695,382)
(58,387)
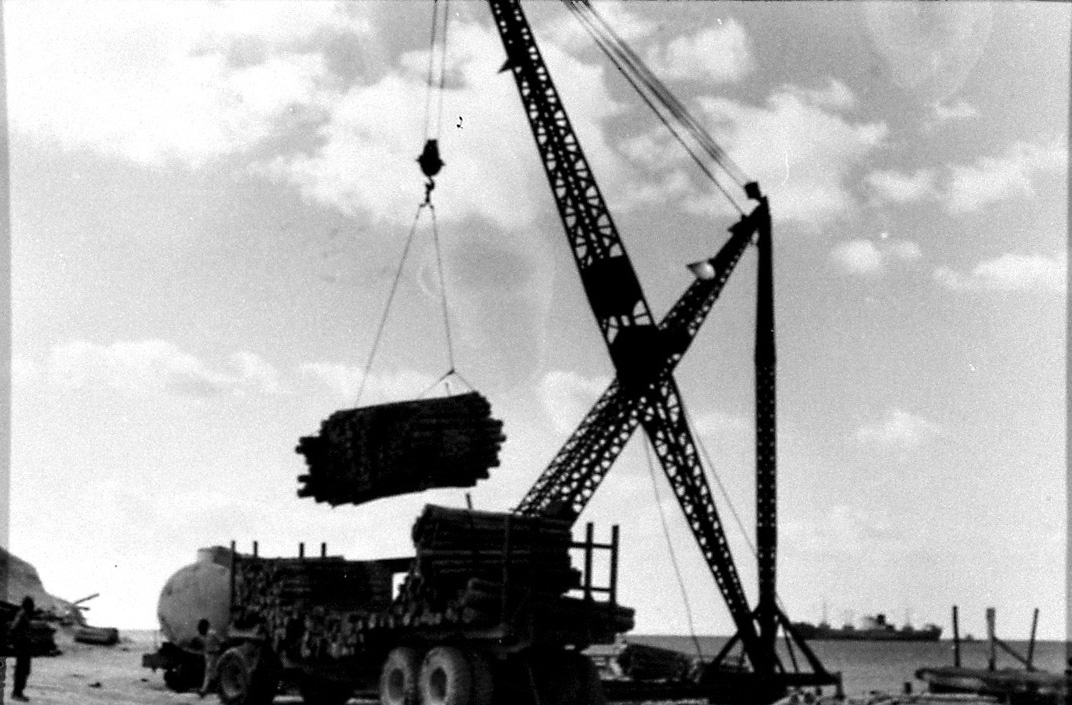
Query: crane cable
(625,53)
(437,73)
(651,90)
(672,552)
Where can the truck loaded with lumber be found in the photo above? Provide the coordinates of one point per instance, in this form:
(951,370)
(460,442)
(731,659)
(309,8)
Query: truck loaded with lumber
(490,608)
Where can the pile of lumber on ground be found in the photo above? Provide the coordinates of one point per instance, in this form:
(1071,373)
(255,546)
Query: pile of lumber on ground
(644,662)
(379,451)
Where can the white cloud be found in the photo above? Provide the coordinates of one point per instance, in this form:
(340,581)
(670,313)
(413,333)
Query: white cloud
(898,428)
(157,81)
(721,54)
(836,96)
(868,258)
(567,397)
(801,152)
(366,159)
(898,187)
(1010,272)
(858,257)
(150,367)
(957,110)
(992,179)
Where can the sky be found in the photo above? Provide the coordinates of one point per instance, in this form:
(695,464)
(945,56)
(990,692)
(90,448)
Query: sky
(210,201)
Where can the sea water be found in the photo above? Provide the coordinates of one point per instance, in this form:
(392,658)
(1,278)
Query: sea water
(884,666)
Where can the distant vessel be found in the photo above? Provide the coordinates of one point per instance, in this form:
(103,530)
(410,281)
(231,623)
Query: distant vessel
(874,628)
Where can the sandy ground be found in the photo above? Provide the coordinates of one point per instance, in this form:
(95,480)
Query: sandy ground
(86,675)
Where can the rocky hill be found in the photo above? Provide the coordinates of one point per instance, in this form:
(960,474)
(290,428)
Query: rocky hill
(18,579)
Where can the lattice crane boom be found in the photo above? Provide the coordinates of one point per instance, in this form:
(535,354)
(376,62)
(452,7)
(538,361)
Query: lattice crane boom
(637,346)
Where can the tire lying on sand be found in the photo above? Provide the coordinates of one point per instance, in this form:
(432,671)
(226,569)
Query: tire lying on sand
(452,676)
(399,677)
(247,675)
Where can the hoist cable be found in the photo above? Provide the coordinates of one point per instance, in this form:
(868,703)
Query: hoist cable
(442,289)
(390,299)
(430,82)
(442,67)
(650,89)
(601,41)
(670,550)
(666,96)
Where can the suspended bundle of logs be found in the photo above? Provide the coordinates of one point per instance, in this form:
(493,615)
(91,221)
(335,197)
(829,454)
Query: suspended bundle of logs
(379,451)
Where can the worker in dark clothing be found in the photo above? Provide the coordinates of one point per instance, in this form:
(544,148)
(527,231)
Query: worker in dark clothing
(210,646)
(20,643)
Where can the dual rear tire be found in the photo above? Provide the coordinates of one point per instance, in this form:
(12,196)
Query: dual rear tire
(445,676)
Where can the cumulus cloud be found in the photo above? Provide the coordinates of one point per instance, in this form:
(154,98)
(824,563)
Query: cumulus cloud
(992,179)
(897,429)
(1010,272)
(150,367)
(797,146)
(566,397)
(869,258)
(898,187)
(365,161)
(721,54)
(160,81)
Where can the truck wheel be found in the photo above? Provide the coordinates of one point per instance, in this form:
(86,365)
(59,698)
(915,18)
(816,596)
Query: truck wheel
(321,692)
(398,679)
(446,677)
(565,678)
(247,675)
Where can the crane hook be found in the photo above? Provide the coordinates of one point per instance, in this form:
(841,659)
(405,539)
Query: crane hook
(430,165)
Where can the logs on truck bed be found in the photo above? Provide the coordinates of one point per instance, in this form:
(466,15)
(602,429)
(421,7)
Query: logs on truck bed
(379,451)
(457,545)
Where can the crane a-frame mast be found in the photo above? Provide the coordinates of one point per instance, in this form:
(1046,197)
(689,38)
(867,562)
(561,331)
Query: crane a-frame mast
(636,345)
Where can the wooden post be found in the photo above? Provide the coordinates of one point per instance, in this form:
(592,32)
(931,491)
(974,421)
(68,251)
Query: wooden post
(588,540)
(990,631)
(255,549)
(1031,644)
(234,569)
(323,549)
(614,565)
(956,639)
(301,550)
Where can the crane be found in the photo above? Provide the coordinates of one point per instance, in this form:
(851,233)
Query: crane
(645,353)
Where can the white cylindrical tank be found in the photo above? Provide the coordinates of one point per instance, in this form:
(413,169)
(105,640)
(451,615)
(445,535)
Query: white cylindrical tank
(201,590)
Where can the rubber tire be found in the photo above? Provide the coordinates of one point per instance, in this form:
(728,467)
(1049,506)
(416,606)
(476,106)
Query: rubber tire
(247,675)
(320,692)
(399,677)
(446,677)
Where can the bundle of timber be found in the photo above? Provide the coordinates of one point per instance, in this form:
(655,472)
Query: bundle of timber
(643,662)
(455,546)
(297,601)
(380,451)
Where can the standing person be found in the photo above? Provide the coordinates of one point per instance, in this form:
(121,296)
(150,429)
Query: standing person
(210,645)
(20,642)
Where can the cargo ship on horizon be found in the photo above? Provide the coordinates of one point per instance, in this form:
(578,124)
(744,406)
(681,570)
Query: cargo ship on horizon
(874,628)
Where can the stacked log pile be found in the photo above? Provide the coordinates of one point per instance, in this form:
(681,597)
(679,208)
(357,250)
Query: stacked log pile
(379,451)
(647,663)
(471,565)
(311,608)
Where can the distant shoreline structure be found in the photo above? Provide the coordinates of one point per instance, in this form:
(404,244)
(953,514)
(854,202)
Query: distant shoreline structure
(875,628)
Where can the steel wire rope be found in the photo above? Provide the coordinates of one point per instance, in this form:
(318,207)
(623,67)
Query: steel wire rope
(390,298)
(430,81)
(666,96)
(644,76)
(442,68)
(670,549)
